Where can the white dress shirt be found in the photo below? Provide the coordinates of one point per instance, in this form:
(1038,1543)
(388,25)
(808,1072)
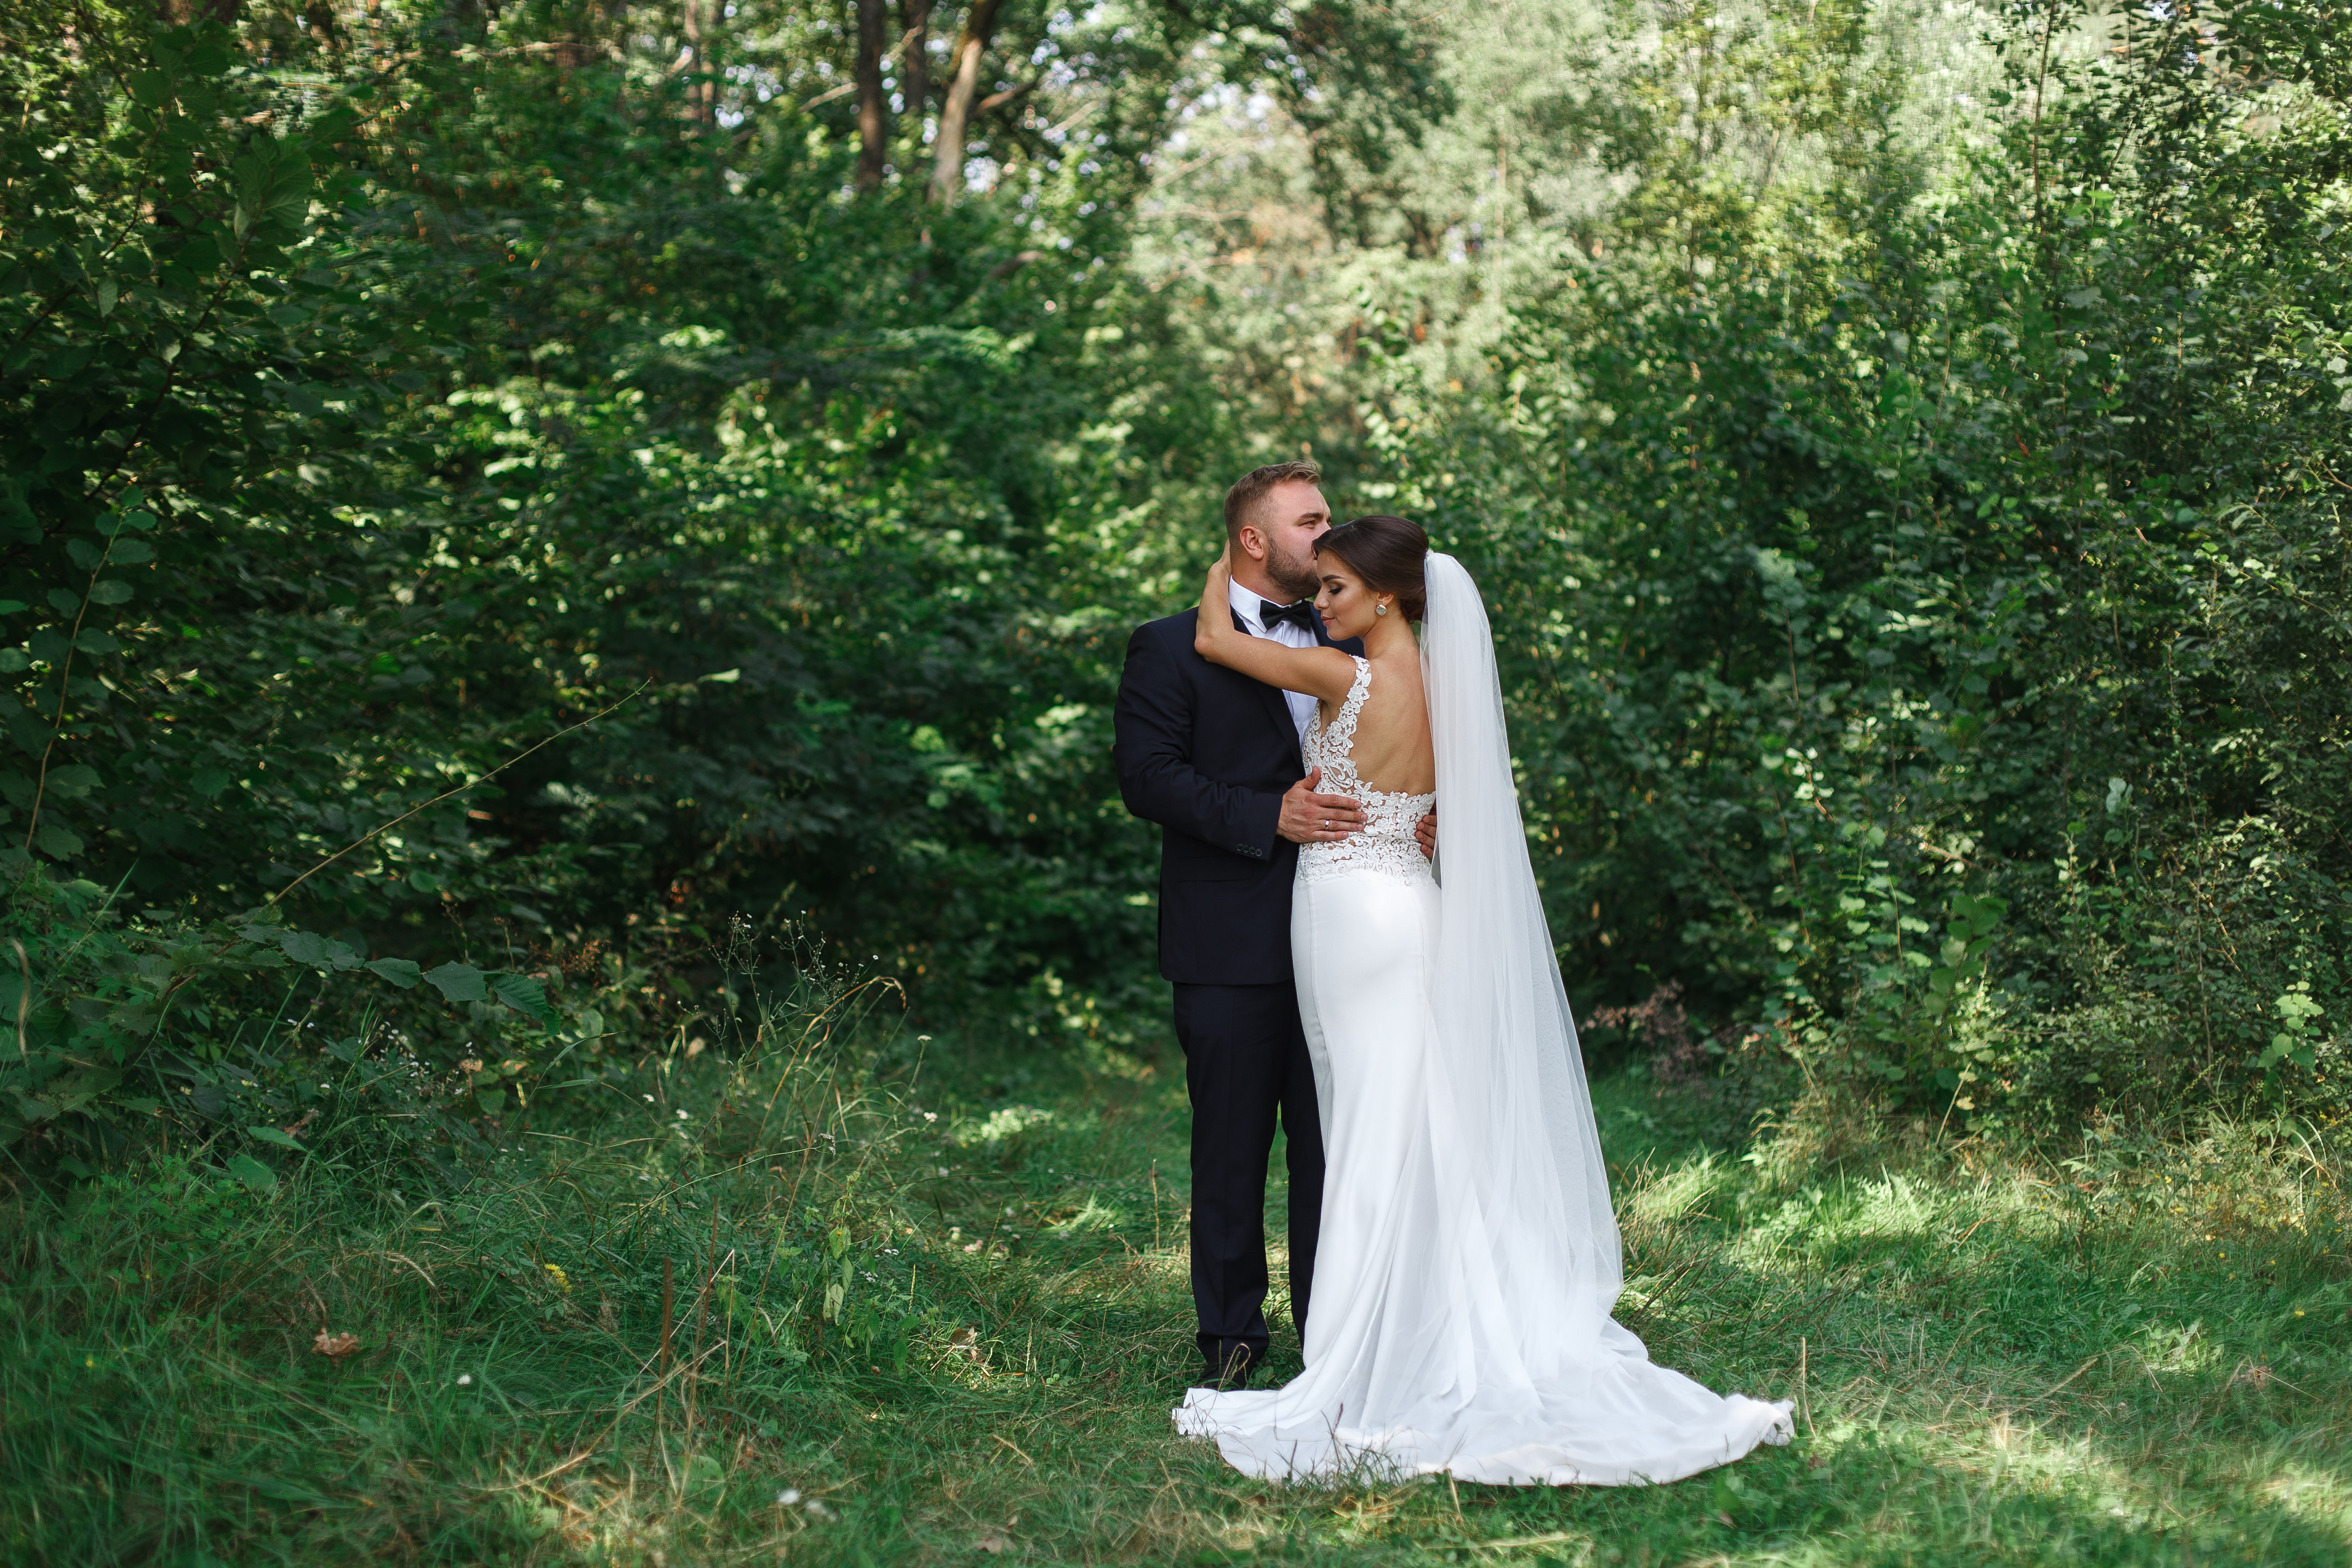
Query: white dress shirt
(1246,603)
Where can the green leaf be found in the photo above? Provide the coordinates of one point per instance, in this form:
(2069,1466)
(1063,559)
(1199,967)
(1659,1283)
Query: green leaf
(458,983)
(11,606)
(12,659)
(271,1135)
(322,953)
(208,782)
(97,642)
(111,592)
(525,995)
(109,291)
(72,781)
(58,843)
(492,1100)
(400,972)
(150,88)
(253,1173)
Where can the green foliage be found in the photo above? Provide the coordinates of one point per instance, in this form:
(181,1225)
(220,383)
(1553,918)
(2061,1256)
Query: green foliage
(466,501)
(507,490)
(1932,637)
(130,1028)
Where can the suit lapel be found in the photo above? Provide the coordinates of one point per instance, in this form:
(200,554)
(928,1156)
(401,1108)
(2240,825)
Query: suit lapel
(1270,697)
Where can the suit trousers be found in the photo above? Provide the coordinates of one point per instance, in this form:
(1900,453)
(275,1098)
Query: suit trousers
(1247,1066)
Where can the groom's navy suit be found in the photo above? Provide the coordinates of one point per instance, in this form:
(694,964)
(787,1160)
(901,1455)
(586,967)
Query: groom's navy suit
(1207,753)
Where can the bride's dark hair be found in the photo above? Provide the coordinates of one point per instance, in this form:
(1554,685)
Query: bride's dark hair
(1387,552)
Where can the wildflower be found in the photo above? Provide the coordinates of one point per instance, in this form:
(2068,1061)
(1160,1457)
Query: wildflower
(789,1496)
(465,1380)
(562,1278)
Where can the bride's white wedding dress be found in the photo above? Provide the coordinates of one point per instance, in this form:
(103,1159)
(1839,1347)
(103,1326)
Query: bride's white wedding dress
(1468,1258)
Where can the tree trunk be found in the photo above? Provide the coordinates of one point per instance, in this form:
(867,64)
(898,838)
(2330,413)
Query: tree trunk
(947,162)
(915,68)
(873,110)
(691,22)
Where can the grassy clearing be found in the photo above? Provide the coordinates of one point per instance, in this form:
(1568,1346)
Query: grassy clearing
(2139,1356)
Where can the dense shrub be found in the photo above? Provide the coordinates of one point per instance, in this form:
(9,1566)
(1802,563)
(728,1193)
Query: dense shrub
(1938,639)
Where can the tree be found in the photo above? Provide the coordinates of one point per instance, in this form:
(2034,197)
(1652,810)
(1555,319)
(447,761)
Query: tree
(963,87)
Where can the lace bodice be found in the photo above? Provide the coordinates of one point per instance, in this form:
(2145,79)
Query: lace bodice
(1386,845)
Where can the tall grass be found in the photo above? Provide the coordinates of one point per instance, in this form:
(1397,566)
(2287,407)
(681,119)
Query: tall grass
(844,1295)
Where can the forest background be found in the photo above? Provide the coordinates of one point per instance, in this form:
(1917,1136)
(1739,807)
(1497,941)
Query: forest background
(563,556)
(503,491)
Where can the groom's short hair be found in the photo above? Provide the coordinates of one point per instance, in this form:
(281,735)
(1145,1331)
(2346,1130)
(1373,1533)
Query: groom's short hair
(1252,488)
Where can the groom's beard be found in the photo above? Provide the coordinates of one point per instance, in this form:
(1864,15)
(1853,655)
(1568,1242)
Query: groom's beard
(1295,577)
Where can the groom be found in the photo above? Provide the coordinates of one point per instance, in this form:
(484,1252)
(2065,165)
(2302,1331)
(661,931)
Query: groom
(1213,757)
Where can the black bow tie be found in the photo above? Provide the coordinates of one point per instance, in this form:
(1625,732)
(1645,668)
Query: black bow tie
(1300,614)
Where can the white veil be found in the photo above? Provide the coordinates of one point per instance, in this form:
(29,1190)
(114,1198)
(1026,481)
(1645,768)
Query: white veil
(1518,1152)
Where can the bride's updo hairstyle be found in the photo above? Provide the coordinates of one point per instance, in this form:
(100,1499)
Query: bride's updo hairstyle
(1387,552)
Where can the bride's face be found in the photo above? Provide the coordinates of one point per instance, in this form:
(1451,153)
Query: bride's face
(1344,603)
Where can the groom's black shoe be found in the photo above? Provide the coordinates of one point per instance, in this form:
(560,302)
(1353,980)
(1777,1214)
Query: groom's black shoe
(1233,1368)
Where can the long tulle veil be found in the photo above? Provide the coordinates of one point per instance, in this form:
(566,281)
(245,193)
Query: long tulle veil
(1518,1153)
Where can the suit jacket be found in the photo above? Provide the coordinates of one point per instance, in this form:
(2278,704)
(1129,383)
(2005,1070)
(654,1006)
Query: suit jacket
(1206,753)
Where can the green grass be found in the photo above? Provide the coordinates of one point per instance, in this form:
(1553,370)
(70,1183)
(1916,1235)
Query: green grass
(2140,1357)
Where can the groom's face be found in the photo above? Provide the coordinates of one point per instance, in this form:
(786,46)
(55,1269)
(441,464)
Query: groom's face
(1281,536)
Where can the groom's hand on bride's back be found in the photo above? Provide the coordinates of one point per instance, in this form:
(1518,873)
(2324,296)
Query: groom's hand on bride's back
(1309,816)
(1424,831)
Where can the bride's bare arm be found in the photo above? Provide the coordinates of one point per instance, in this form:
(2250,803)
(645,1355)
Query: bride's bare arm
(1323,672)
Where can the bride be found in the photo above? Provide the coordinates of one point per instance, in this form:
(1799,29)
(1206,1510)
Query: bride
(1468,1257)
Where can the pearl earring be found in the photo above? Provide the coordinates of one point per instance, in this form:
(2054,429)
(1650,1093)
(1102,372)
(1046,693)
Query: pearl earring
(1379,609)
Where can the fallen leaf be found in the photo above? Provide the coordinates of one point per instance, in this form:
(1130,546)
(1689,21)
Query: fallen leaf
(991,1541)
(335,1345)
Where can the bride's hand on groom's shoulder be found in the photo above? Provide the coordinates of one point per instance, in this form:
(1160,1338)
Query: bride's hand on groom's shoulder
(1309,816)
(1215,618)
